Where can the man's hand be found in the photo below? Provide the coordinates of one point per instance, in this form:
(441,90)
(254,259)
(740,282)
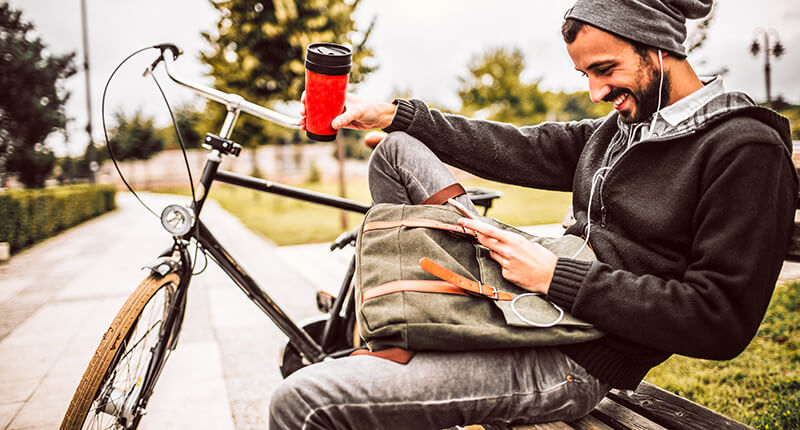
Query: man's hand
(524,263)
(358,114)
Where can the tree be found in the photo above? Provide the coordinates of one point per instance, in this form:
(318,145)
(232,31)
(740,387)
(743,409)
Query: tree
(259,48)
(495,88)
(495,84)
(575,106)
(192,124)
(697,37)
(32,98)
(84,164)
(134,138)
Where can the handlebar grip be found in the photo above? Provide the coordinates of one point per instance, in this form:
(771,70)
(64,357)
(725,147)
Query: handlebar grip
(176,52)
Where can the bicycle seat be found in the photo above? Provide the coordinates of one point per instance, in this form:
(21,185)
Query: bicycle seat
(483,197)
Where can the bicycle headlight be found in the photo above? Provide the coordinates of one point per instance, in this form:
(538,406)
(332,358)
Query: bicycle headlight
(177,219)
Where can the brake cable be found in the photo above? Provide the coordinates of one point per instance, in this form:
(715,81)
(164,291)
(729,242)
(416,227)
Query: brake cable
(175,52)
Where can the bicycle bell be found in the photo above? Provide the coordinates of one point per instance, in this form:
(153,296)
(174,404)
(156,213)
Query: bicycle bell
(177,219)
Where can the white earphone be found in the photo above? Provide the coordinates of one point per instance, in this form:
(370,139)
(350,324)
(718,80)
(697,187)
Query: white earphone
(660,88)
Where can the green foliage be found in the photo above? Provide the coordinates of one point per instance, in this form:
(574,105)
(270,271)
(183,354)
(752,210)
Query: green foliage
(314,174)
(495,84)
(353,142)
(32,99)
(258,50)
(495,88)
(91,153)
(793,113)
(134,138)
(32,164)
(574,106)
(68,170)
(193,125)
(697,37)
(761,387)
(28,216)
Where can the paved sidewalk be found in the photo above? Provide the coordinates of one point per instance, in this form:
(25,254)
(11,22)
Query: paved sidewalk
(57,299)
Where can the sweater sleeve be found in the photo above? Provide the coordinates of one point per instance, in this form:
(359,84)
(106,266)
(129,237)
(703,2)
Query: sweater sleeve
(541,156)
(742,227)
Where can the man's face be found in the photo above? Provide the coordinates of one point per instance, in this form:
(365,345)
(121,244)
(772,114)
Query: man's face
(618,74)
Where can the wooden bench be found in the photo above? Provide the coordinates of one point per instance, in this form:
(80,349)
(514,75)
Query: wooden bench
(648,408)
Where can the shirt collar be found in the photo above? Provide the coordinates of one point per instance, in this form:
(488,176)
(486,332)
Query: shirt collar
(684,108)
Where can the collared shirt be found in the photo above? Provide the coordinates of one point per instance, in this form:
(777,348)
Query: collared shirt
(668,119)
(684,108)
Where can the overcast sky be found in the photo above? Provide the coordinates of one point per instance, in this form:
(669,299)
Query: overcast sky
(421,46)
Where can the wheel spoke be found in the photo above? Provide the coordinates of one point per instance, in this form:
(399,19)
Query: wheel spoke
(124,366)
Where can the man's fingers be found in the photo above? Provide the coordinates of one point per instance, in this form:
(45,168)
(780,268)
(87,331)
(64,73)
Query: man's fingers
(484,228)
(498,258)
(373,138)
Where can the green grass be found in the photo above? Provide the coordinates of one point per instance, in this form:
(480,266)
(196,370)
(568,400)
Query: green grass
(287,221)
(761,387)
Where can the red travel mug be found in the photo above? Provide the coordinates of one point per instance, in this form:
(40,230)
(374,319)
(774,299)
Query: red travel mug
(327,70)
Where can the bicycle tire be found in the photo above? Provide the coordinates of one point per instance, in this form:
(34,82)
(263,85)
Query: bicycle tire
(103,367)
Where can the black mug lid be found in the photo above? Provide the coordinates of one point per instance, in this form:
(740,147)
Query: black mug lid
(329,54)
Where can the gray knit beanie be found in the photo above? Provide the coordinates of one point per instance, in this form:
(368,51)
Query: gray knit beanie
(657,23)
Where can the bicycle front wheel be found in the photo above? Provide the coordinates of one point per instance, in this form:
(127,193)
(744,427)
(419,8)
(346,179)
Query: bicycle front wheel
(110,393)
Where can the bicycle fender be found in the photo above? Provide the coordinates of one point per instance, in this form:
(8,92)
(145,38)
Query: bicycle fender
(163,265)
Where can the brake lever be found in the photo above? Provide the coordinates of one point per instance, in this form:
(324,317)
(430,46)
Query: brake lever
(163,47)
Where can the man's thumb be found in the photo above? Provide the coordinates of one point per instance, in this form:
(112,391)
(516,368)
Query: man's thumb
(340,121)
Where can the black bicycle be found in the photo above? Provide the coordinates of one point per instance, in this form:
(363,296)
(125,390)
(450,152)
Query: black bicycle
(122,374)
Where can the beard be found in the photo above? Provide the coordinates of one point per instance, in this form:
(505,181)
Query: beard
(644,95)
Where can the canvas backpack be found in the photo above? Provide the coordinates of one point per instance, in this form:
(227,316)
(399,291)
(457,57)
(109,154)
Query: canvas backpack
(424,283)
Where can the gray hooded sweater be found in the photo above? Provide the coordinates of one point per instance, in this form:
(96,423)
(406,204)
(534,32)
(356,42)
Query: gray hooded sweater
(690,228)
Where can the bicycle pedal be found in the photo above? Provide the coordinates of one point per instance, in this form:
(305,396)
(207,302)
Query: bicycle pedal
(325,301)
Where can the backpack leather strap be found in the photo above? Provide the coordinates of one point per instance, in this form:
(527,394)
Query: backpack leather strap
(451,283)
(417,286)
(464,283)
(440,197)
(418,222)
(398,355)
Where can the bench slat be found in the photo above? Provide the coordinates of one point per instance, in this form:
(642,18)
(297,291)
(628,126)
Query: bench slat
(558,425)
(620,417)
(672,411)
(590,423)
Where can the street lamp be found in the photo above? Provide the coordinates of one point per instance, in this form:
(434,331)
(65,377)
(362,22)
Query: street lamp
(90,151)
(772,47)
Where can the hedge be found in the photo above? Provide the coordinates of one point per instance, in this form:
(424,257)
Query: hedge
(28,216)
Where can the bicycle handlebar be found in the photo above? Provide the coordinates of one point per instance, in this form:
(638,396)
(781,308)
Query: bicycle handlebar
(233,102)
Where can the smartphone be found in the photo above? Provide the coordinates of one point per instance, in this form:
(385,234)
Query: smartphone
(461,208)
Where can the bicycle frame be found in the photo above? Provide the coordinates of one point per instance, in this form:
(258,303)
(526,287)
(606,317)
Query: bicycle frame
(309,349)
(306,346)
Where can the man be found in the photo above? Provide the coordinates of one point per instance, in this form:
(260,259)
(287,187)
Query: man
(685,192)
